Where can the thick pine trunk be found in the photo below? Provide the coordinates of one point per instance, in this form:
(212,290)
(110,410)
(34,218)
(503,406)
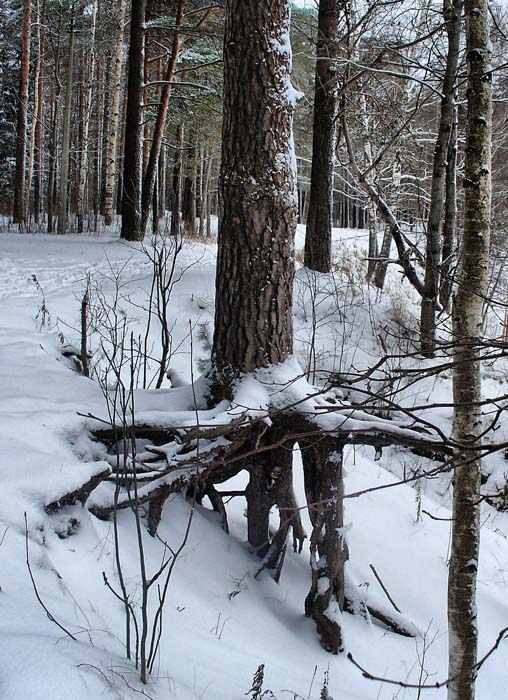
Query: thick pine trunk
(467,329)
(319,222)
(21,131)
(253,308)
(452,13)
(133,148)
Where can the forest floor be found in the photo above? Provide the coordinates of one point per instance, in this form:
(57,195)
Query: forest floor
(220,622)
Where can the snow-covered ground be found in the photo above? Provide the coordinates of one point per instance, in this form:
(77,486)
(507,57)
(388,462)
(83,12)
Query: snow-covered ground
(220,622)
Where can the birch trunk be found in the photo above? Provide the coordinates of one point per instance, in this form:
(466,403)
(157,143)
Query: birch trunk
(109,188)
(87,103)
(452,13)
(467,325)
(66,138)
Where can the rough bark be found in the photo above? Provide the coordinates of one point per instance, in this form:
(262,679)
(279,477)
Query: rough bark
(253,312)
(318,238)
(21,130)
(467,328)
(324,490)
(452,13)
(133,149)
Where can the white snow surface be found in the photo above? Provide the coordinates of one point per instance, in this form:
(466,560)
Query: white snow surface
(220,622)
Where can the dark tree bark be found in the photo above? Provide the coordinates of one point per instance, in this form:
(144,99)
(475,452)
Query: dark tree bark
(133,149)
(21,131)
(319,222)
(467,328)
(324,490)
(452,13)
(253,308)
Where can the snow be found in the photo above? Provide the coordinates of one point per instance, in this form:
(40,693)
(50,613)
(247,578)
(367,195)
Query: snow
(220,623)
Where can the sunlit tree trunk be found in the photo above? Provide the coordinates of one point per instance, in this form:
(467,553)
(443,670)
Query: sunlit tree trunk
(87,103)
(111,163)
(467,328)
(253,307)
(66,137)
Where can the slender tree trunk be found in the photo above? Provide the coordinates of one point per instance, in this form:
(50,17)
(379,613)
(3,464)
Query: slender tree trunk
(39,115)
(109,189)
(253,308)
(160,123)
(133,150)
(66,137)
(177,183)
(318,239)
(189,188)
(450,220)
(452,12)
(21,131)
(467,328)
(87,103)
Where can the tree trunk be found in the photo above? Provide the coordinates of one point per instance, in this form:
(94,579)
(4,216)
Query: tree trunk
(109,188)
(177,183)
(160,123)
(452,13)
(66,137)
(133,149)
(450,220)
(467,325)
(189,188)
(253,308)
(87,103)
(318,239)
(324,490)
(21,131)
(39,115)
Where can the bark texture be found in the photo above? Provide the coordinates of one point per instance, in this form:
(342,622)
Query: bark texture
(255,268)
(467,328)
(319,222)
(452,13)
(133,149)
